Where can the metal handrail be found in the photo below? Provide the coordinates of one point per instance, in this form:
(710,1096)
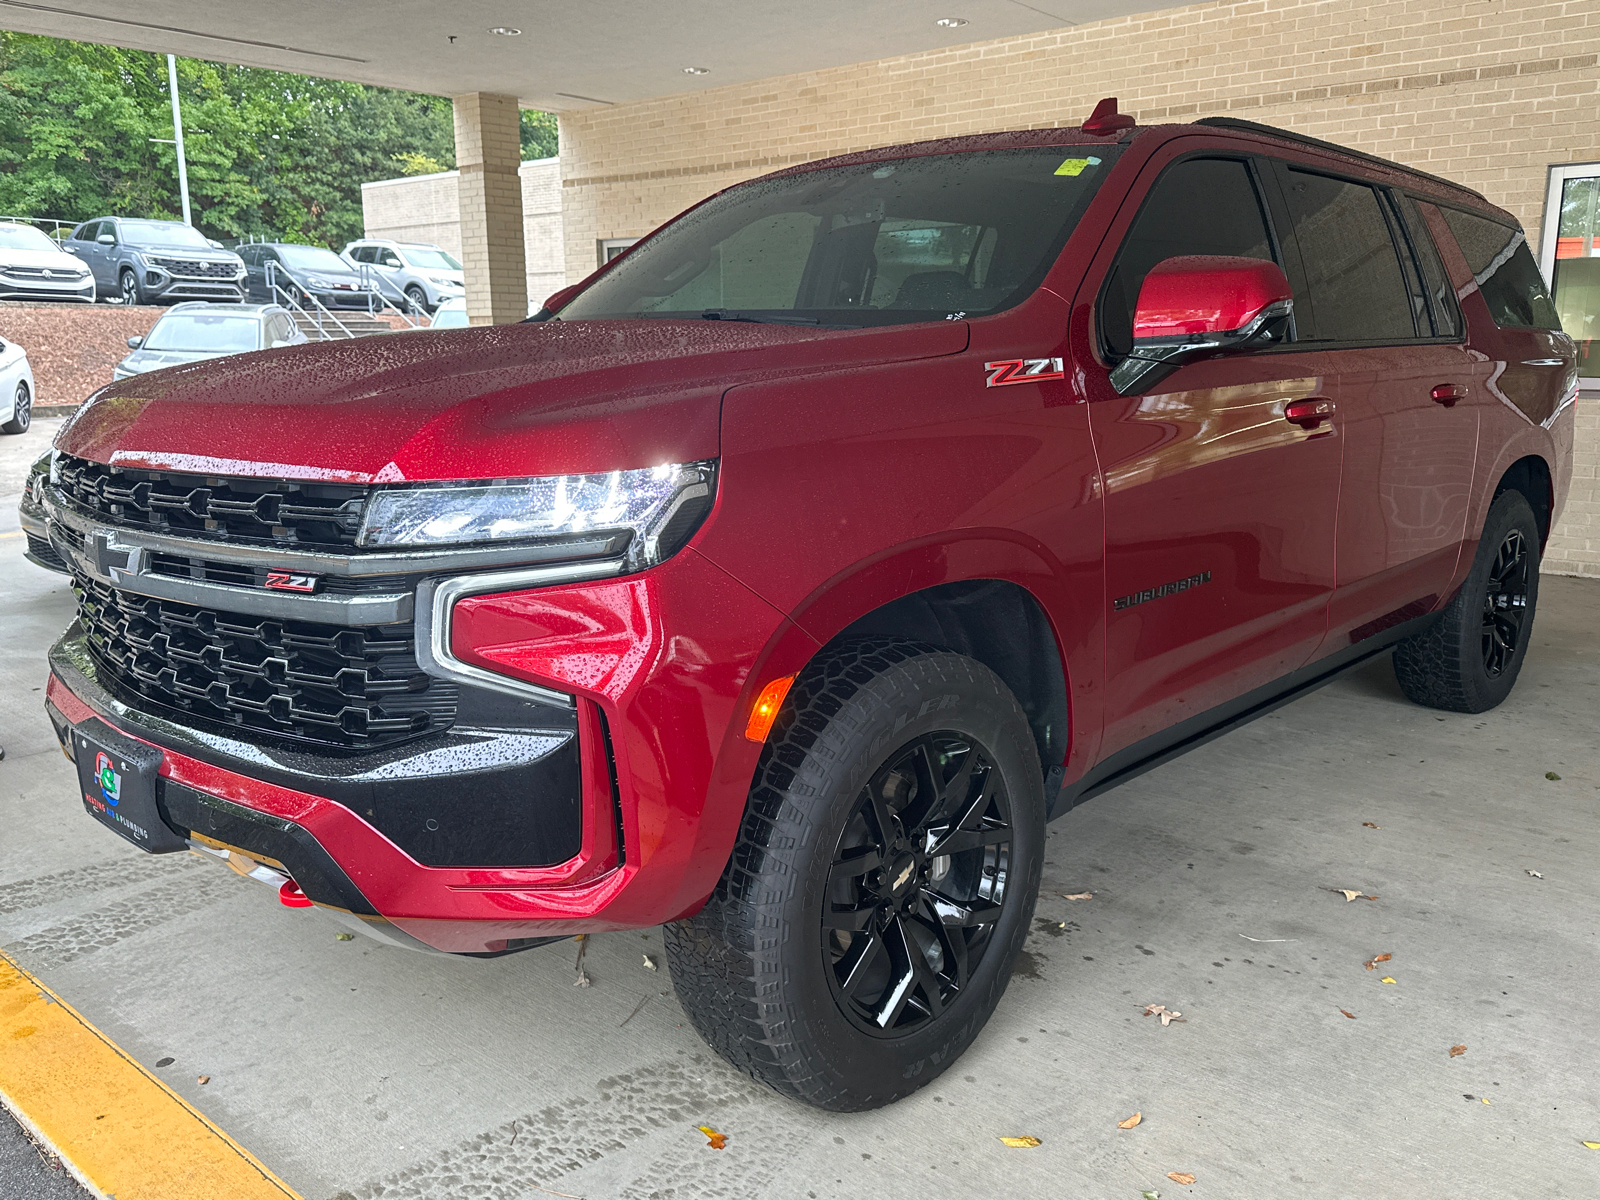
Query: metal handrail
(56,227)
(288,300)
(369,283)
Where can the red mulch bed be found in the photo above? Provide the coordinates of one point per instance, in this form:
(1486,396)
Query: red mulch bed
(72,347)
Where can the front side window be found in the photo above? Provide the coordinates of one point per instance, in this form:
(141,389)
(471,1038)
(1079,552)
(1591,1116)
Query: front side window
(1198,206)
(879,243)
(203,332)
(1503,266)
(1354,288)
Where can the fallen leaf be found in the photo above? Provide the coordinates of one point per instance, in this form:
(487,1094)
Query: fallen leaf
(1551,775)
(1376,959)
(1077,895)
(1457,1051)
(1536,874)
(715,1140)
(1131,1121)
(1020,1143)
(649,963)
(1593,1145)
(164,1062)
(1167,1016)
(1150,1195)
(1182,1177)
(1387,979)
(1370,825)
(1349,894)
(1348,1013)
(204,1079)
(344,937)
(1485,1099)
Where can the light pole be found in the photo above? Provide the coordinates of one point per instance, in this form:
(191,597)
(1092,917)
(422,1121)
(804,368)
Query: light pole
(177,136)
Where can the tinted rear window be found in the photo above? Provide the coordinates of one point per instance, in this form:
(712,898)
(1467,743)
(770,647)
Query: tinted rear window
(1354,284)
(915,239)
(1503,266)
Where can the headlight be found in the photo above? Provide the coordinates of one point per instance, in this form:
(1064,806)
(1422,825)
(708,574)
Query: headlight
(660,506)
(317,281)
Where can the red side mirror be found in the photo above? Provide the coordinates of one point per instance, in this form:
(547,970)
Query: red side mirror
(1198,306)
(1206,294)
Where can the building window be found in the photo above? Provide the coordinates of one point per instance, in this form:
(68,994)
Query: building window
(611,247)
(1570,257)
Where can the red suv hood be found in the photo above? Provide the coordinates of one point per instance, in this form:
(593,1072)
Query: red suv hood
(560,397)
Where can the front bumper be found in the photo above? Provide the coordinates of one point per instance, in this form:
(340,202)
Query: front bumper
(658,665)
(14,288)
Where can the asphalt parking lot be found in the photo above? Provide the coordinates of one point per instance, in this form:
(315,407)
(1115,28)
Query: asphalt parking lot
(356,1071)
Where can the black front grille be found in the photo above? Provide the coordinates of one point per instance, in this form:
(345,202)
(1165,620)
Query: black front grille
(261,510)
(44,552)
(194,270)
(300,680)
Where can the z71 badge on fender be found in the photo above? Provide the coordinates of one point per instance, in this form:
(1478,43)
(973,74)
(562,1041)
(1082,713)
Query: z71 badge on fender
(1023,370)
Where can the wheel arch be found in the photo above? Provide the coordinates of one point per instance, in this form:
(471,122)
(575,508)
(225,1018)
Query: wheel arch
(1531,475)
(996,598)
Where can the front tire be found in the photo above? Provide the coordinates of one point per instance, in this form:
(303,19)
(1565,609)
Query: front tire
(418,299)
(882,883)
(1468,660)
(129,289)
(22,410)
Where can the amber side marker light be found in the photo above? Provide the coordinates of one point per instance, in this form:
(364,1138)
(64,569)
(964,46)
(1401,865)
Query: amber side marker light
(765,710)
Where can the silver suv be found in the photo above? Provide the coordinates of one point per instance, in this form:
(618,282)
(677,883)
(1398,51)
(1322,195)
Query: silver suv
(427,274)
(148,261)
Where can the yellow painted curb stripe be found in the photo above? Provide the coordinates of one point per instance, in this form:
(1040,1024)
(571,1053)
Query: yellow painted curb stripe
(122,1131)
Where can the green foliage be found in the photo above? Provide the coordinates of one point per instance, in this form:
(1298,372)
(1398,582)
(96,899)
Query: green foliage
(538,134)
(269,154)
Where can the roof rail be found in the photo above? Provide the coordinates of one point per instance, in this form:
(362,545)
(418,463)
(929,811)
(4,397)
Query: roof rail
(1289,135)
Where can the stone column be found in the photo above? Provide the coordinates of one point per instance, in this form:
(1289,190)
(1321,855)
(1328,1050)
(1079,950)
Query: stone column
(488,153)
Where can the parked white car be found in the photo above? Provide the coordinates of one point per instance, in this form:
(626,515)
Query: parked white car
(16,389)
(33,267)
(427,274)
(452,314)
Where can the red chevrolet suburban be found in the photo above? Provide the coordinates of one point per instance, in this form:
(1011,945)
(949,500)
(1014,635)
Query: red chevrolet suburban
(779,582)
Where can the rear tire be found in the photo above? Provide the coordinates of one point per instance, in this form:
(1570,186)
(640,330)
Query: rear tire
(22,412)
(1468,660)
(882,883)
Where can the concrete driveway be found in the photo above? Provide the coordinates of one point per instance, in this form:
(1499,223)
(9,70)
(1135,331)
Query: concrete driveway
(358,1071)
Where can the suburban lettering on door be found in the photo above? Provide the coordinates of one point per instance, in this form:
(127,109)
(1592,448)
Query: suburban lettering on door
(1166,589)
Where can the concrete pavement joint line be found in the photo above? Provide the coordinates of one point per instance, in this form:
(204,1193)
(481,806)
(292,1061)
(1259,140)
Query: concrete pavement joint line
(119,1129)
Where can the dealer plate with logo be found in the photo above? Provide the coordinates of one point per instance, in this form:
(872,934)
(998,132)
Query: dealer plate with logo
(117,776)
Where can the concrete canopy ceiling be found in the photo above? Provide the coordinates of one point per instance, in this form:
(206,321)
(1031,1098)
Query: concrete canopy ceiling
(568,55)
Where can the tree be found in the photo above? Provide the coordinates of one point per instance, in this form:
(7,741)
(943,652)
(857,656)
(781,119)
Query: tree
(270,154)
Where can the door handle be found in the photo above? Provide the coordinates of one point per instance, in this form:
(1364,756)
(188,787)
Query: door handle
(1310,412)
(1447,394)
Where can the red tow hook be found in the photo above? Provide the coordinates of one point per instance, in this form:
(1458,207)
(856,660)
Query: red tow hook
(290,895)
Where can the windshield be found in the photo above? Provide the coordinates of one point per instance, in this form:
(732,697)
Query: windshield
(919,239)
(450,318)
(24,237)
(204,333)
(430,259)
(164,233)
(313,258)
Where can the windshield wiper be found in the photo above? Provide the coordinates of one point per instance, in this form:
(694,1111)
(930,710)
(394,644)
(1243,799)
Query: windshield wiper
(722,314)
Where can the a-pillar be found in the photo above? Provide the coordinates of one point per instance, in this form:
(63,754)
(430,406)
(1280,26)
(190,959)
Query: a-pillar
(488,153)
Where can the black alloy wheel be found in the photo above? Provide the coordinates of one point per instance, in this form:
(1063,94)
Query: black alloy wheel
(1469,658)
(882,881)
(22,413)
(1505,603)
(128,285)
(917,883)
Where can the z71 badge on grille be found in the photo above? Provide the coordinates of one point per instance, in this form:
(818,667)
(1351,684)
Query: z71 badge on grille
(289,581)
(1022,370)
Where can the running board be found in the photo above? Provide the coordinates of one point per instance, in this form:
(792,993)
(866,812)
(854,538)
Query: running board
(1152,752)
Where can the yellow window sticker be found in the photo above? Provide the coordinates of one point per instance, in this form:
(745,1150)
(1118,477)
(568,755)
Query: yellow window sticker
(1077,166)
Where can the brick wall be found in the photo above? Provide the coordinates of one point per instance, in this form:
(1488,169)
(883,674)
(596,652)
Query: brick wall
(72,347)
(427,208)
(1487,93)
